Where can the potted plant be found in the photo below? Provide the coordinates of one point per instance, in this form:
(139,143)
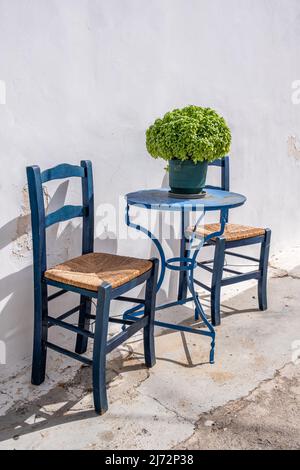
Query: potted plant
(188,139)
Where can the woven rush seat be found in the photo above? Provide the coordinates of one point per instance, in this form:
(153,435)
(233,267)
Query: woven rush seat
(91,270)
(232,232)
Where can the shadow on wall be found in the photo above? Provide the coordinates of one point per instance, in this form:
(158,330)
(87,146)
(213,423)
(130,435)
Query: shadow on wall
(63,242)
(16,289)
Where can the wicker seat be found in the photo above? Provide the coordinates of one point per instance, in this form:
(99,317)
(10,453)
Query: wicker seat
(232,232)
(91,270)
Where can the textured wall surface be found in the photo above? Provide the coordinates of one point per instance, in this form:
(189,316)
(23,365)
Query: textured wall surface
(84,79)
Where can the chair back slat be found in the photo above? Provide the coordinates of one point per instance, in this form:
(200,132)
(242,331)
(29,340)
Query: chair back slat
(40,221)
(61,172)
(63,214)
(36,198)
(222,163)
(88,203)
(219,162)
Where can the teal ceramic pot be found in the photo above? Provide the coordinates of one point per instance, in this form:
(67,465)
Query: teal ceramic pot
(187,177)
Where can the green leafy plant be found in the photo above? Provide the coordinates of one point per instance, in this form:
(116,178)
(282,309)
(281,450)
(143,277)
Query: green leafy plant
(191,133)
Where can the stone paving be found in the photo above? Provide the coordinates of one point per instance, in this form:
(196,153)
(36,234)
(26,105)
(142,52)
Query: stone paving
(248,399)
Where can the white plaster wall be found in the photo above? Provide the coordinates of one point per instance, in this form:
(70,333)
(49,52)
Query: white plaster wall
(84,79)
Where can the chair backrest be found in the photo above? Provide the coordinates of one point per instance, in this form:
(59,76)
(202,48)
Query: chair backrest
(40,221)
(222,163)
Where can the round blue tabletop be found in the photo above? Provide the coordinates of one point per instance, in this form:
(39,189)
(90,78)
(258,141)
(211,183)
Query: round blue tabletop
(160,199)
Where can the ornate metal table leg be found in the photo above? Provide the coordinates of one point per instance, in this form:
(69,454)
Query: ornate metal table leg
(187,264)
(138,309)
(201,312)
(191,284)
(183,275)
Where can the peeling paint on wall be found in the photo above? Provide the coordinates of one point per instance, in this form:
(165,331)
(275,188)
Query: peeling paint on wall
(294,148)
(23,239)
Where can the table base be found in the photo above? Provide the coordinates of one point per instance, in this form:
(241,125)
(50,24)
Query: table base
(138,311)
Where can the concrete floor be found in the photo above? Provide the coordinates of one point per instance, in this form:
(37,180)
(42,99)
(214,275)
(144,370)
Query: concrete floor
(250,398)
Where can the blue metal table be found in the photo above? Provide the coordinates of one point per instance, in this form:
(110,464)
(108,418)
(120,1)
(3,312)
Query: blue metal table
(160,200)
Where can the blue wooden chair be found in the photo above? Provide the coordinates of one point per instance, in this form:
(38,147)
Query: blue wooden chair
(99,276)
(234,236)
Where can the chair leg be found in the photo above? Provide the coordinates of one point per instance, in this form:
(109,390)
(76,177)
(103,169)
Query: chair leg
(84,322)
(150,298)
(39,355)
(99,353)
(217,281)
(263,267)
